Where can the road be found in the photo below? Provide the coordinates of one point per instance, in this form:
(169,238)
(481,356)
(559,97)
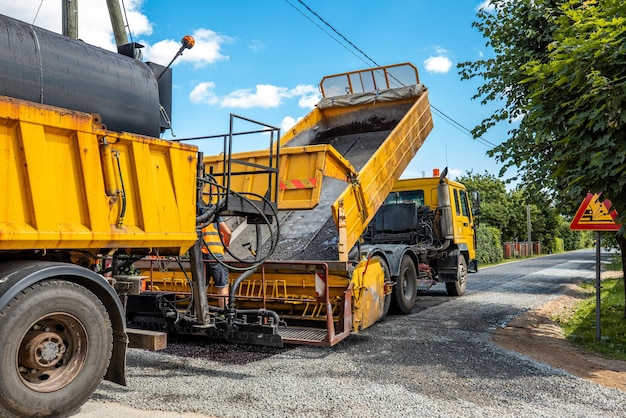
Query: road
(438,361)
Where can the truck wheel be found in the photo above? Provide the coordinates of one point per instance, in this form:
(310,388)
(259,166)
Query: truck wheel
(387,275)
(56,339)
(405,291)
(457,288)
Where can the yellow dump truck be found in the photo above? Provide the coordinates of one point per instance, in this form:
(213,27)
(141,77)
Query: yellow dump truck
(329,274)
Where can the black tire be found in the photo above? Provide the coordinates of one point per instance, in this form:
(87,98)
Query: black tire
(457,288)
(56,339)
(405,290)
(387,274)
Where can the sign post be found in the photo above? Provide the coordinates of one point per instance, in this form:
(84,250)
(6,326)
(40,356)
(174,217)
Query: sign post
(597,215)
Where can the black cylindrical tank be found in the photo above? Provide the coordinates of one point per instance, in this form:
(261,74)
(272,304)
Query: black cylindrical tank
(45,67)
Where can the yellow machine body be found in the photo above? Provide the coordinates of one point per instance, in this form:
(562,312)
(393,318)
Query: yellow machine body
(71,184)
(336,166)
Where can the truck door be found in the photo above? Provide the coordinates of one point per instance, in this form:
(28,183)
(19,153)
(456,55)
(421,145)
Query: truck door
(463,222)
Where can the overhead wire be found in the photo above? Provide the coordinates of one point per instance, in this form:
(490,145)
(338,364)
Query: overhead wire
(130,33)
(448,119)
(326,32)
(37,14)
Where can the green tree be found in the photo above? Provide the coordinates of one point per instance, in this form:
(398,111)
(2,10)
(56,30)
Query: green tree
(494,205)
(559,67)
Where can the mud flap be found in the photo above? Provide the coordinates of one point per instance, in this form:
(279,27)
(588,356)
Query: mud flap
(447,267)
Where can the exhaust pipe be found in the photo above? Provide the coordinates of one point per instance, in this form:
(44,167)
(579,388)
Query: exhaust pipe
(445,207)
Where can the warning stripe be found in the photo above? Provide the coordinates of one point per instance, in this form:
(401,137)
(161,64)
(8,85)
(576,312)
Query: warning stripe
(298,184)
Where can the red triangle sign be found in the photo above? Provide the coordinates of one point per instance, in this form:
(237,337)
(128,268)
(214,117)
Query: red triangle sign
(595,214)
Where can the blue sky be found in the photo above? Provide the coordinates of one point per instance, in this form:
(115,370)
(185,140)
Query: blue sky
(263,59)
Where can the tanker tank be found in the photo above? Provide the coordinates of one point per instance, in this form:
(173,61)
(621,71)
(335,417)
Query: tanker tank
(47,68)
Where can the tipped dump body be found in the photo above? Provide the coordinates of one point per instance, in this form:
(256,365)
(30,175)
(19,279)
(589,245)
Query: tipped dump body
(376,128)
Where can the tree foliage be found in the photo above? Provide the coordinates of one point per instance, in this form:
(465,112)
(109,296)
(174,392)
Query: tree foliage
(559,67)
(507,212)
(489,245)
(494,206)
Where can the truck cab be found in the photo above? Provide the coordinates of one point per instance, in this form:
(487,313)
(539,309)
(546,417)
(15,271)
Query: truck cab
(423,234)
(423,191)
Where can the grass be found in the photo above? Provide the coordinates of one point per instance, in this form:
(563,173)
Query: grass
(580,327)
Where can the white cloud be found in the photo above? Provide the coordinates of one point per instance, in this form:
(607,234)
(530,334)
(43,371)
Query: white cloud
(207,49)
(437,64)
(256,45)
(203,93)
(264,96)
(309,95)
(486,5)
(287,123)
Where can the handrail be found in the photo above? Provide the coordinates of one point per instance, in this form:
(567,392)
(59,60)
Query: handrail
(370,79)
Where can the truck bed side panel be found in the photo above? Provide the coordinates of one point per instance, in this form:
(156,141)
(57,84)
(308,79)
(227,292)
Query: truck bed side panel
(57,167)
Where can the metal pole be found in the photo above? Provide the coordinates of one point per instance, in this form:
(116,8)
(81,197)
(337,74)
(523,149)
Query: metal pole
(198,278)
(69,16)
(117,21)
(598,286)
(530,242)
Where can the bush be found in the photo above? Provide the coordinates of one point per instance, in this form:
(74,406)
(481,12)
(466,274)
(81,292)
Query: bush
(557,245)
(489,245)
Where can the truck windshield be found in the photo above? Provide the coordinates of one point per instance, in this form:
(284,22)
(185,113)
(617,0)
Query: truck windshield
(416,196)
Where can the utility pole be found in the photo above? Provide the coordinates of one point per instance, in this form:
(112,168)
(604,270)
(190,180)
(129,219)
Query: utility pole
(117,21)
(69,16)
(530,242)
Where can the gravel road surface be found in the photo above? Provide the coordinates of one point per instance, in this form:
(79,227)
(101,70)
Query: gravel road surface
(436,362)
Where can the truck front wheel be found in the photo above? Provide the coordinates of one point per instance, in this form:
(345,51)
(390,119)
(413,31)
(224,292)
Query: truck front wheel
(405,289)
(56,339)
(457,288)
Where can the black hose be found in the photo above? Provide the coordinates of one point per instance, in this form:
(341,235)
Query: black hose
(120,220)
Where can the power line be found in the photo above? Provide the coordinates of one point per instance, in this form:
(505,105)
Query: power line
(445,117)
(461,128)
(326,32)
(338,33)
(37,14)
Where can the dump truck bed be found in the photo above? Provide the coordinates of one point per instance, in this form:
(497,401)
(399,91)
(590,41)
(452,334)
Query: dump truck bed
(336,167)
(376,131)
(72,184)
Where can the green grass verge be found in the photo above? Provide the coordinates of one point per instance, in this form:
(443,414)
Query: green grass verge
(580,328)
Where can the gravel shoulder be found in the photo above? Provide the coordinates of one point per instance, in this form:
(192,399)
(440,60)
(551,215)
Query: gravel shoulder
(535,335)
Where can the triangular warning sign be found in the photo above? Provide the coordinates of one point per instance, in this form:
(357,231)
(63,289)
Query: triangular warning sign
(595,214)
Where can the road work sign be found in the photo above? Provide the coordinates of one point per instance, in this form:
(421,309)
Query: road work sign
(595,214)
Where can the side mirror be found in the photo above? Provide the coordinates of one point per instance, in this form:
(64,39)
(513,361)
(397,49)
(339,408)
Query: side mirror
(476,203)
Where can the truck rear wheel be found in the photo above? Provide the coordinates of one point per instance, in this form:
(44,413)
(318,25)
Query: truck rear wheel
(405,290)
(57,340)
(457,288)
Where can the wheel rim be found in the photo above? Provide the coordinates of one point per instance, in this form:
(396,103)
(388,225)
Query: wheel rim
(52,352)
(462,275)
(407,291)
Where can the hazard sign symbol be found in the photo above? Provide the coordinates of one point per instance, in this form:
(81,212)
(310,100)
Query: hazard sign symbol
(595,214)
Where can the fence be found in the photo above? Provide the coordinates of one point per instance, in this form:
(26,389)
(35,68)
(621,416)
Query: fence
(520,249)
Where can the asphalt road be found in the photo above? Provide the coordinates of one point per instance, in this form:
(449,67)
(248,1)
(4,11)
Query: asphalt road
(436,362)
